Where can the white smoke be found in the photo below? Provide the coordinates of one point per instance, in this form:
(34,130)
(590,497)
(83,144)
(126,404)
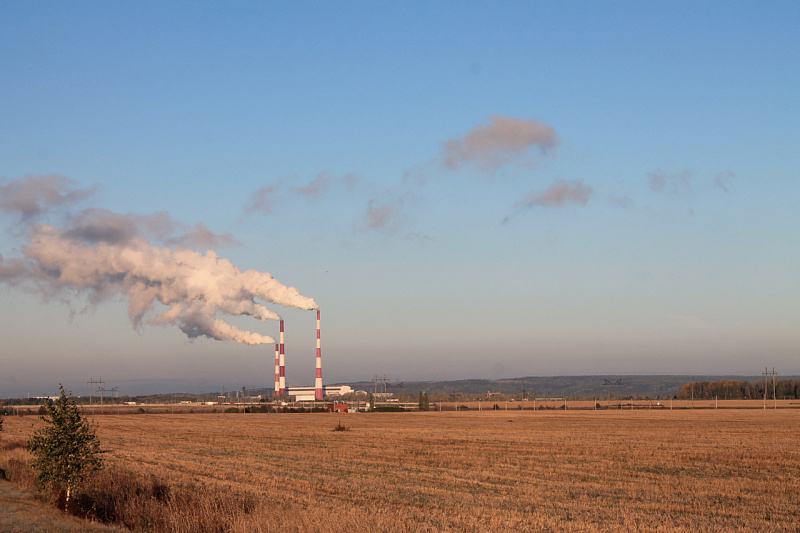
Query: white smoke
(104,254)
(193,286)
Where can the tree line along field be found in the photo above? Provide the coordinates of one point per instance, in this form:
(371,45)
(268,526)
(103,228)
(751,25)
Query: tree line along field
(600,403)
(548,470)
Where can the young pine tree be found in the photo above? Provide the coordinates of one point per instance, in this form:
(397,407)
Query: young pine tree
(67,450)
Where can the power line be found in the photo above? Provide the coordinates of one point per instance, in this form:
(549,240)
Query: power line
(92,382)
(774,396)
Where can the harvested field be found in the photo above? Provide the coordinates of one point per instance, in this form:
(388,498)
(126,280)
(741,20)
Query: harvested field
(647,470)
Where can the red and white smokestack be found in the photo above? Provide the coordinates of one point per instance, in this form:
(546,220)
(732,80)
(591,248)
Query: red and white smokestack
(318,395)
(277,369)
(282,362)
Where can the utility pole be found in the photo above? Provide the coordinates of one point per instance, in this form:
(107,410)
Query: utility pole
(111,390)
(102,390)
(379,384)
(619,402)
(91,384)
(608,393)
(774,396)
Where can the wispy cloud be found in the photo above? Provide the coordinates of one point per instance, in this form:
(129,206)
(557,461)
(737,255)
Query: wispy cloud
(561,193)
(34,195)
(263,199)
(98,225)
(502,141)
(315,187)
(724,179)
(675,184)
(200,237)
(351,181)
(415,177)
(623,202)
(382,216)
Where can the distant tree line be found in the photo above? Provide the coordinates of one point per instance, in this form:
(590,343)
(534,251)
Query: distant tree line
(739,390)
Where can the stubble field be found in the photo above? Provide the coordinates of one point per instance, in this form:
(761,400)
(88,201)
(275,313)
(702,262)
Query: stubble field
(648,470)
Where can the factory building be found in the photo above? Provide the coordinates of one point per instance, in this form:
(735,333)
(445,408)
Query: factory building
(309,394)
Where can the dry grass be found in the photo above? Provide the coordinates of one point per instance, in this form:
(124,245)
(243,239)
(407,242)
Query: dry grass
(645,470)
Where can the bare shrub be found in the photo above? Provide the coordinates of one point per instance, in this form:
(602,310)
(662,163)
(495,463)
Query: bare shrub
(147,503)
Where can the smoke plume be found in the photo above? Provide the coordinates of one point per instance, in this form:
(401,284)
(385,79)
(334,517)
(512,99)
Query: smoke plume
(193,286)
(103,254)
(30,197)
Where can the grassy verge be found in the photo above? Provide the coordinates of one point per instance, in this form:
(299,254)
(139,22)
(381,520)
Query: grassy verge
(116,496)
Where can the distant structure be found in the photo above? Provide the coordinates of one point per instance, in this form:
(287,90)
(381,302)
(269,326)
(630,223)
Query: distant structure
(282,389)
(309,394)
(318,392)
(277,369)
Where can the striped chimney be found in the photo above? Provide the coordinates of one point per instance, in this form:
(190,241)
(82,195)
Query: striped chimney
(318,383)
(282,362)
(277,369)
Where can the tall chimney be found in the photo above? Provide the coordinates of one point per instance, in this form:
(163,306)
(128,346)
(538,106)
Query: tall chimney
(318,395)
(282,376)
(277,369)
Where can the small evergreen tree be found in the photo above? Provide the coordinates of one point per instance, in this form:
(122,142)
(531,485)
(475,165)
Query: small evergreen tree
(424,402)
(67,450)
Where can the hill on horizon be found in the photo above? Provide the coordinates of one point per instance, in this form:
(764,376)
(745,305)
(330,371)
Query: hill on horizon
(655,386)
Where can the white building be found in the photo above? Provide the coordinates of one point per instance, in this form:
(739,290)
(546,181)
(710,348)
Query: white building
(306,394)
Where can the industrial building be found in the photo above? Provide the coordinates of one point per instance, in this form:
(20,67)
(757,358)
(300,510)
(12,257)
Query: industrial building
(308,394)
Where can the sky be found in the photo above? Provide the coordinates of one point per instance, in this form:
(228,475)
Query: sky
(463,189)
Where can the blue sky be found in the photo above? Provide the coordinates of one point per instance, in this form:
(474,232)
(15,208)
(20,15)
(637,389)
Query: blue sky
(465,189)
